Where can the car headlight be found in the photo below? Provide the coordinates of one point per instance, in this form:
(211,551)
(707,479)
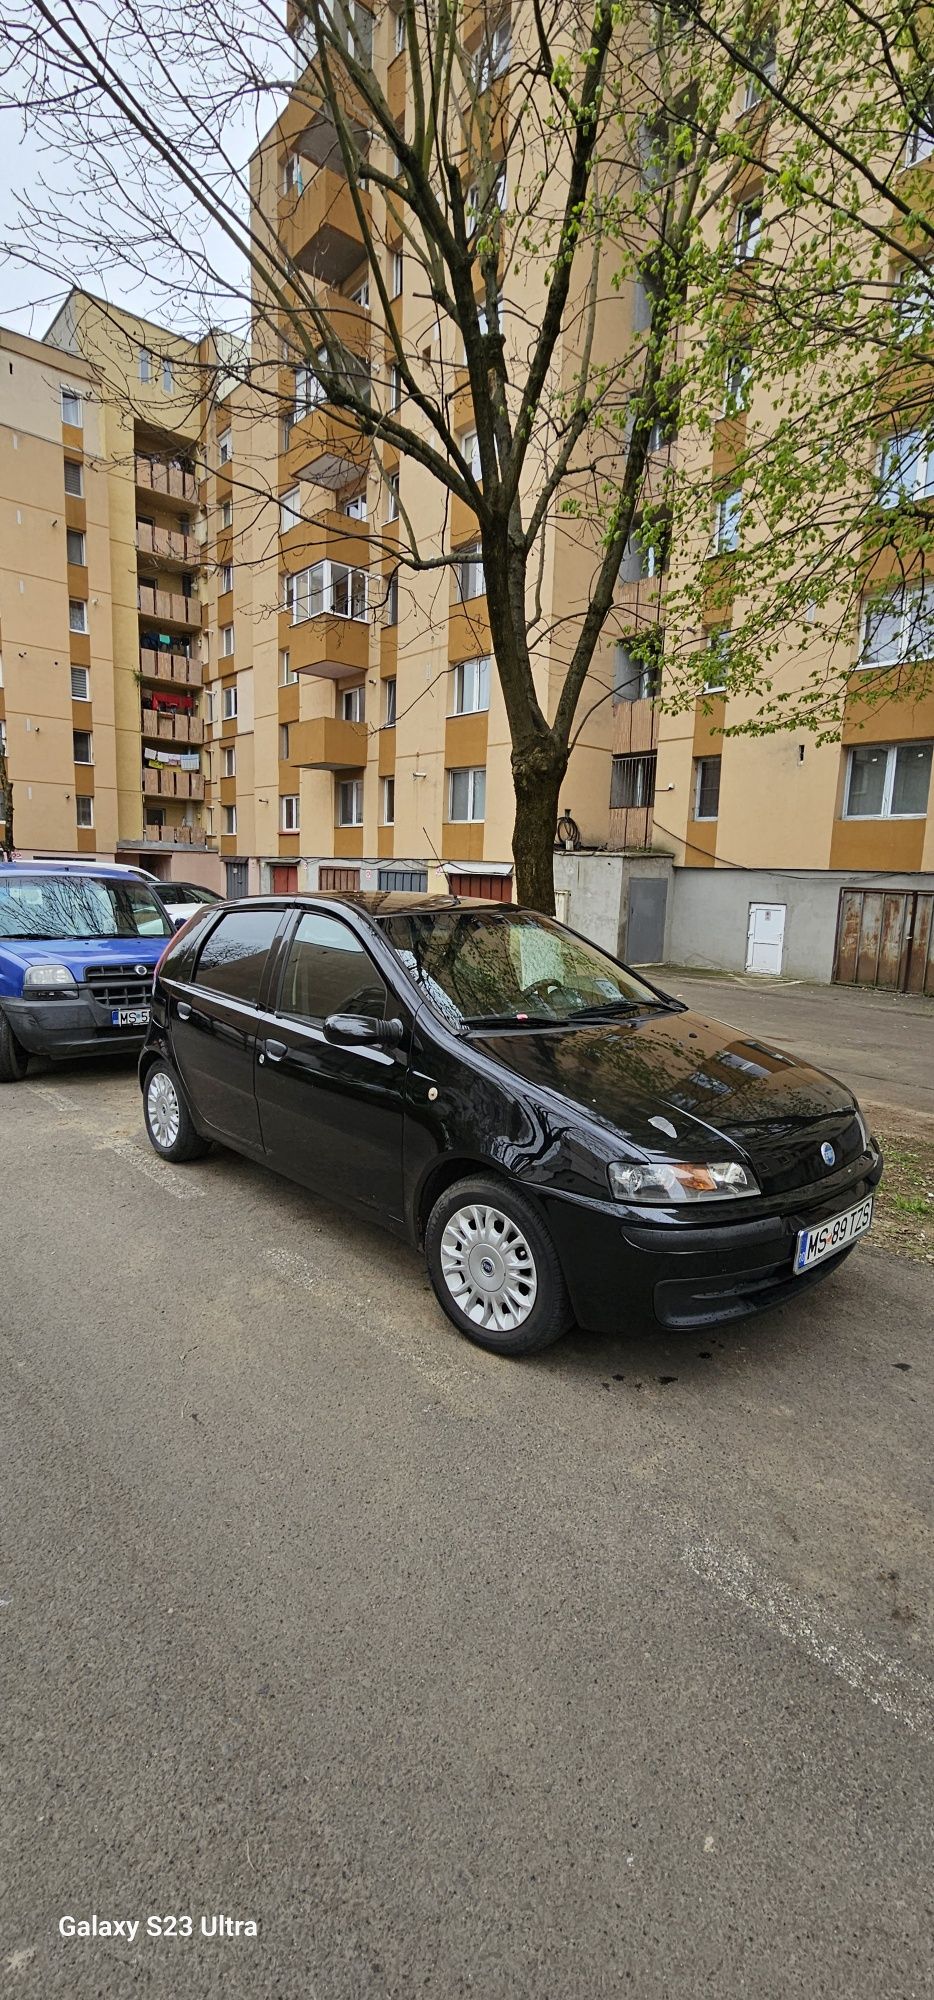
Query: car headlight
(672,1180)
(864,1132)
(48,977)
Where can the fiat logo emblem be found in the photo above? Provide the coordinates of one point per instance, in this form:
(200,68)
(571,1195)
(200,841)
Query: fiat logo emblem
(827,1153)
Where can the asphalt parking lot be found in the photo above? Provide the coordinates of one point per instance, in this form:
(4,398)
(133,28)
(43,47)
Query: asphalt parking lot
(607,1672)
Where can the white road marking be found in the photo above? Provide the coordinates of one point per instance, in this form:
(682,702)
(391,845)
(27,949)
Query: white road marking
(165,1176)
(901,1691)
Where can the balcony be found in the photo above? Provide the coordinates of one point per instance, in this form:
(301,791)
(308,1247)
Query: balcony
(167,726)
(176,668)
(328,744)
(168,836)
(165,476)
(169,545)
(172,784)
(319,230)
(326,446)
(168,607)
(327,646)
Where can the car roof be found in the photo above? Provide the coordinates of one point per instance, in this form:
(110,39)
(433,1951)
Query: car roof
(99,869)
(382,902)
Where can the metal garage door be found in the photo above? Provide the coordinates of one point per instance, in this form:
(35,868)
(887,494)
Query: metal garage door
(885,938)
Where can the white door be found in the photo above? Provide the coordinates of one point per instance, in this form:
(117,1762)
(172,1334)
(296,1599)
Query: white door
(765,937)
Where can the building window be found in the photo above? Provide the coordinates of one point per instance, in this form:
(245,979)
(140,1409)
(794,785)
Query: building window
(352,703)
(290,510)
(395,273)
(226,513)
(897,626)
(74,478)
(292,178)
(230,818)
(388,806)
(646,552)
(355,507)
(747,231)
(913,304)
(328,589)
(392,496)
(225,582)
(469,580)
(72,411)
(632,782)
(389,702)
(727,517)
(906,468)
(492,59)
(283,742)
(887,781)
(229,760)
(706,787)
(228,703)
(920,144)
(392,600)
(718,660)
(736,386)
(470,452)
(168,376)
(288,813)
(360,296)
(288,675)
(77,615)
(224,448)
(350,802)
(74,540)
(82,746)
(764,58)
(84,810)
(80,684)
(471,687)
(395,388)
(467,793)
(398,33)
(309,388)
(144,364)
(226,641)
(633,679)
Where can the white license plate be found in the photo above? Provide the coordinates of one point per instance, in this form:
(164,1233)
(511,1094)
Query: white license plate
(130,1017)
(814,1245)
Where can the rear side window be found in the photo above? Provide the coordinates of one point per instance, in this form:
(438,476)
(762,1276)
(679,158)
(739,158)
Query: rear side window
(234,956)
(328,972)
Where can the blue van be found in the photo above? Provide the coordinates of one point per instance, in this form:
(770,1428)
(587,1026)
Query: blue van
(78,947)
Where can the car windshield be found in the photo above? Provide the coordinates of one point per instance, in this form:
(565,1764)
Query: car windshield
(79,906)
(187,892)
(478,968)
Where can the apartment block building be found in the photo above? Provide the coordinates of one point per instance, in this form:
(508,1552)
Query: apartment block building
(241,680)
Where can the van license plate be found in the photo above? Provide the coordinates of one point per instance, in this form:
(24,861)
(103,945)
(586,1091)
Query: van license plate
(130,1017)
(814,1245)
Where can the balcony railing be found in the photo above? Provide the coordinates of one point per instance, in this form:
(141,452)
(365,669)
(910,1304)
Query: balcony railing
(168,726)
(172,784)
(160,475)
(328,743)
(168,606)
(319,230)
(167,543)
(170,836)
(163,665)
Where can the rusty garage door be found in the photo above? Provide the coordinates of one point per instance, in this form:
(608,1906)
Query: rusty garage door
(885,937)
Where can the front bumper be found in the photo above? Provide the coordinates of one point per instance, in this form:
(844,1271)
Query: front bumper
(80,1027)
(688,1275)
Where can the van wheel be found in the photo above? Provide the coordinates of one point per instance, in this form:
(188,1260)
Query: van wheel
(168,1123)
(495,1269)
(14,1060)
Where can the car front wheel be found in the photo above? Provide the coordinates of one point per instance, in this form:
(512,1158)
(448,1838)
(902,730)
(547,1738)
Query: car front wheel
(168,1123)
(495,1269)
(14,1061)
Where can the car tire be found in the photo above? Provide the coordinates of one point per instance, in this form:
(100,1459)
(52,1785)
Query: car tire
(168,1121)
(494,1268)
(14,1060)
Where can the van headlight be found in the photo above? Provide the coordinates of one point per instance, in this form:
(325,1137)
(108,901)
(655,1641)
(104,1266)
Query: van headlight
(48,977)
(671,1180)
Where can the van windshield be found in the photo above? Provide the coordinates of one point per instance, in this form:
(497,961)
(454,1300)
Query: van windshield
(511,968)
(78,906)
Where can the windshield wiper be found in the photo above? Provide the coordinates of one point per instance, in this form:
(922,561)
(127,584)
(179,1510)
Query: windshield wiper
(512,1021)
(30,937)
(610,1008)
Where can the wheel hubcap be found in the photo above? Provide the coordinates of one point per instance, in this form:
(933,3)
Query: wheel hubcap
(162,1105)
(488,1267)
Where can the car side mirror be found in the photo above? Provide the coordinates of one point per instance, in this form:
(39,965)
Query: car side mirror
(356,1030)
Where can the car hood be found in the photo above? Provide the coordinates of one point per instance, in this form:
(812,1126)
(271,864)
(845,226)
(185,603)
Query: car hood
(708,1081)
(78,954)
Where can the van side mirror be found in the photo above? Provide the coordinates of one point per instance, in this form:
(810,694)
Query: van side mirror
(362,1030)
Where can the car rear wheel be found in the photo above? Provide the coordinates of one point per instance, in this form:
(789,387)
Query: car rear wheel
(495,1269)
(14,1061)
(168,1123)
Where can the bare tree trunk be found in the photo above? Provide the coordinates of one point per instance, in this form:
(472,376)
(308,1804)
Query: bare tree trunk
(6,806)
(538,775)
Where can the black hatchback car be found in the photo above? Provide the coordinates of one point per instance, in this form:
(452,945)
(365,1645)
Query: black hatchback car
(565,1140)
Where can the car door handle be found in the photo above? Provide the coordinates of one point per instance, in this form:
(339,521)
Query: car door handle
(275,1050)
(184,1011)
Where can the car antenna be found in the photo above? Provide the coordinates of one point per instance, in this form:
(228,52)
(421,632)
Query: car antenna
(437,856)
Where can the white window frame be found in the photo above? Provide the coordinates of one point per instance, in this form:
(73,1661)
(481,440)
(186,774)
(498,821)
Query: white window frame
(292,179)
(229,814)
(361,296)
(229,704)
(468,570)
(728,522)
(470,691)
(699,763)
(911,609)
(353,703)
(289,812)
(891,752)
(290,509)
(766,60)
(226,642)
(920,142)
(355,507)
(288,675)
(83,762)
(86,696)
(77,562)
(225,579)
(387,811)
(747,230)
(74,400)
(77,615)
(718,648)
(396,274)
(225,446)
(168,375)
(390,701)
(392,496)
(915,447)
(144,364)
(228,760)
(476,782)
(469,446)
(398,38)
(354,786)
(322,586)
(227,513)
(78,492)
(395,388)
(736,398)
(84,799)
(494,55)
(284,741)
